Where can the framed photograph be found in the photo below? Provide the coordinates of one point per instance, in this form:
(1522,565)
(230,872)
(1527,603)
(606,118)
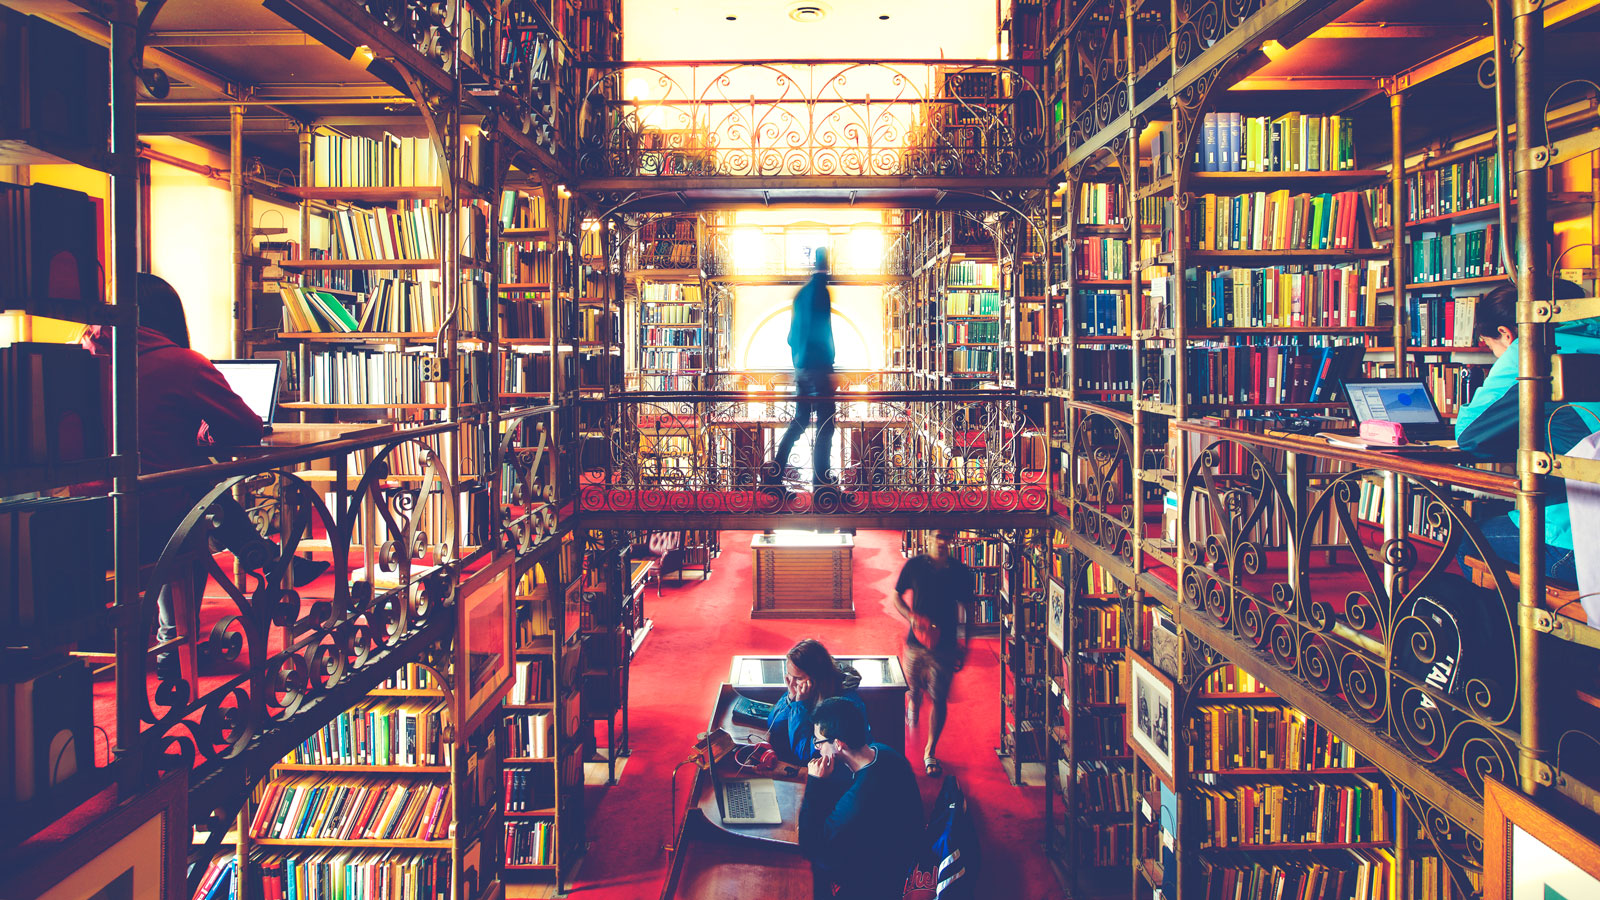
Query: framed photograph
(1530,854)
(135,852)
(1057,613)
(1150,717)
(484,643)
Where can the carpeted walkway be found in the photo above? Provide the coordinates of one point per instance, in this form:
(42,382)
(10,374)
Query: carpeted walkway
(698,629)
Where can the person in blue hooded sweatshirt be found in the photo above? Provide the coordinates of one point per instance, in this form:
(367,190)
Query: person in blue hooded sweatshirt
(812,676)
(1487,426)
(811,348)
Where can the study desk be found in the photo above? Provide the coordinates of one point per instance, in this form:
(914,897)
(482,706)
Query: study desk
(714,861)
(883,689)
(799,574)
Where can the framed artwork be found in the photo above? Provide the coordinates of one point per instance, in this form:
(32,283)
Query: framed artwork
(1530,854)
(1151,717)
(484,641)
(135,852)
(1057,612)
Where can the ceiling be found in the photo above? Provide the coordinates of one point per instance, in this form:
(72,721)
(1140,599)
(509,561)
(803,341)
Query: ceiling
(850,29)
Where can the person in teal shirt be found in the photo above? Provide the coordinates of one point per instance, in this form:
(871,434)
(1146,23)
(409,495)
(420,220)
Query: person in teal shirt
(1487,426)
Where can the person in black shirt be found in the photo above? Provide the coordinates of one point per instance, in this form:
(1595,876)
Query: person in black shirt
(938,585)
(861,833)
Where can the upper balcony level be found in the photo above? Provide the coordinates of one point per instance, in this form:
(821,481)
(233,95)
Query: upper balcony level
(900,133)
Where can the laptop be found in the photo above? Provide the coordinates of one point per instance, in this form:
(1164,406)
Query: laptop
(1403,400)
(745,801)
(256,382)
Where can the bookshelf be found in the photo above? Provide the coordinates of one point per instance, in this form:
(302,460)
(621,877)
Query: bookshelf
(1023,662)
(982,552)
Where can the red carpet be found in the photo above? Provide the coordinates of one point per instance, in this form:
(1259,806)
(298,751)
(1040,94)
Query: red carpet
(698,629)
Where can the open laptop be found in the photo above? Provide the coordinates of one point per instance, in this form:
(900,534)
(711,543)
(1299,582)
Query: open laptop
(1403,400)
(256,382)
(745,801)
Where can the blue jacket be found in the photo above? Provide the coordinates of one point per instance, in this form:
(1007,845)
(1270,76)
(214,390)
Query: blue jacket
(811,326)
(863,834)
(789,724)
(1487,427)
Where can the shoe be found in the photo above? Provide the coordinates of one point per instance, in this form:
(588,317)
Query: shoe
(305,570)
(771,476)
(825,480)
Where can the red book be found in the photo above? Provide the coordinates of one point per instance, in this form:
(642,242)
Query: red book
(268,806)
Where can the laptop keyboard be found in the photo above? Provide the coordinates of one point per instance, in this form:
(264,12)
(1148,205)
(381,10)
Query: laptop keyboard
(741,804)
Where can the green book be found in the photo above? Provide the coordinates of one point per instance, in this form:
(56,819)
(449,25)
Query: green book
(335,310)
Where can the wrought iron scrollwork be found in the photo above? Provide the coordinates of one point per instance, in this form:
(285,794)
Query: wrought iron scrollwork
(1102,478)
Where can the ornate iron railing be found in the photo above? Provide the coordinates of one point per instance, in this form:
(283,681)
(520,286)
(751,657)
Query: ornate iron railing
(896,452)
(809,118)
(275,661)
(1100,474)
(1363,611)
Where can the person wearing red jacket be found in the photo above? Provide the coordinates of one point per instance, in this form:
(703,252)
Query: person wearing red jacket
(185,406)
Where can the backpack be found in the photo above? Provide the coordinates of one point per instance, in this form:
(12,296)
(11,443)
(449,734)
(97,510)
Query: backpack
(947,862)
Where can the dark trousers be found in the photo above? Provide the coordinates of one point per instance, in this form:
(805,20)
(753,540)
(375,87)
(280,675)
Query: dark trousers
(234,532)
(1505,541)
(814,396)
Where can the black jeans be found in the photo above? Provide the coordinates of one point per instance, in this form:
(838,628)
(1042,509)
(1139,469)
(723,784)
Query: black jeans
(234,532)
(814,396)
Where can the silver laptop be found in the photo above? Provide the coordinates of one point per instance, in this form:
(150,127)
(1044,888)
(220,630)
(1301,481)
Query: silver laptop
(745,801)
(256,382)
(1403,400)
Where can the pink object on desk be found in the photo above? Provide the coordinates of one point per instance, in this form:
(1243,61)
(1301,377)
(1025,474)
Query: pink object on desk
(1380,432)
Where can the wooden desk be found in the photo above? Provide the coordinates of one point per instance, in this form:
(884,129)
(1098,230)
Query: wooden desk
(715,861)
(802,575)
(883,689)
(296,435)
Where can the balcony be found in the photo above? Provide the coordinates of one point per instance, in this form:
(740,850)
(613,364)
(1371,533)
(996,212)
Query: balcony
(899,456)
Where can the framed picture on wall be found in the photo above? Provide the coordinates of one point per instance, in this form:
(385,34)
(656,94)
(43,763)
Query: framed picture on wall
(1531,854)
(135,852)
(1057,611)
(484,641)
(1151,722)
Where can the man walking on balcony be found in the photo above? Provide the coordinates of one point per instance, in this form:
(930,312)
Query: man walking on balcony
(811,344)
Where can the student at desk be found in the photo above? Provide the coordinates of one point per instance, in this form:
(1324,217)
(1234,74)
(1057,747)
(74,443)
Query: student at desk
(185,404)
(861,833)
(1487,426)
(811,676)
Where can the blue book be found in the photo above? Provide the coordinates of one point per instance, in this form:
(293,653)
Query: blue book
(1208,163)
(1235,140)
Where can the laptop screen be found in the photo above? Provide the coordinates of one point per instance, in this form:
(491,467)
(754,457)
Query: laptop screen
(255,381)
(1402,400)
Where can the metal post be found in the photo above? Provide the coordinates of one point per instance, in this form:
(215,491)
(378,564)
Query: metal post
(1397,216)
(241,230)
(1533,365)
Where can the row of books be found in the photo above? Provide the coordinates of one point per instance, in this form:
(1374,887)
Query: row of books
(219,880)
(1098,681)
(985,583)
(972,332)
(672,228)
(1104,313)
(525,373)
(1451,257)
(972,303)
(523,210)
(673,336)
(531,843)
(1100,627)
(969,273)
(323,874)
(1103,371)
(1102,203)
(52,404)
(674,361)
(1231,680)
(531,735)
(1263,374)
(1102,788)
(351,809)
(380,733)
(662,382)
(529,788)
(657,292)
(1467,184)
(1231,736)
(411,677)
(1442,321)
(1033,279)
(1103,844)
(967,361)
(1103,259)
(668,255)
(411,231)
(1097,581)
(1324,813)
(49,244)
(1343,296)
(54,555)
(1102,735)
(351,376)
(394,305)
(342,160)
(1351,874)
(531,681)
(1030,325)
(1277,220)
(1293,142)
(670,314)
(524,262)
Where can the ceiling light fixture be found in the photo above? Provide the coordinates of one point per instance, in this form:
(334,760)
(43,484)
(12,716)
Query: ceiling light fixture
(883,18)
(808,12)
(731,18)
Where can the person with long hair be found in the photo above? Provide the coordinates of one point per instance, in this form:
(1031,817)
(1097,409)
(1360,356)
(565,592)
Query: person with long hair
(811,676)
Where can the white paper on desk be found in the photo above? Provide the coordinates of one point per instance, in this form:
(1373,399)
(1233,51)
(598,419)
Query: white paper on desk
(1583,506)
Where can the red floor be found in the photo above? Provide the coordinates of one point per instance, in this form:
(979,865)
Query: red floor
(698,629)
